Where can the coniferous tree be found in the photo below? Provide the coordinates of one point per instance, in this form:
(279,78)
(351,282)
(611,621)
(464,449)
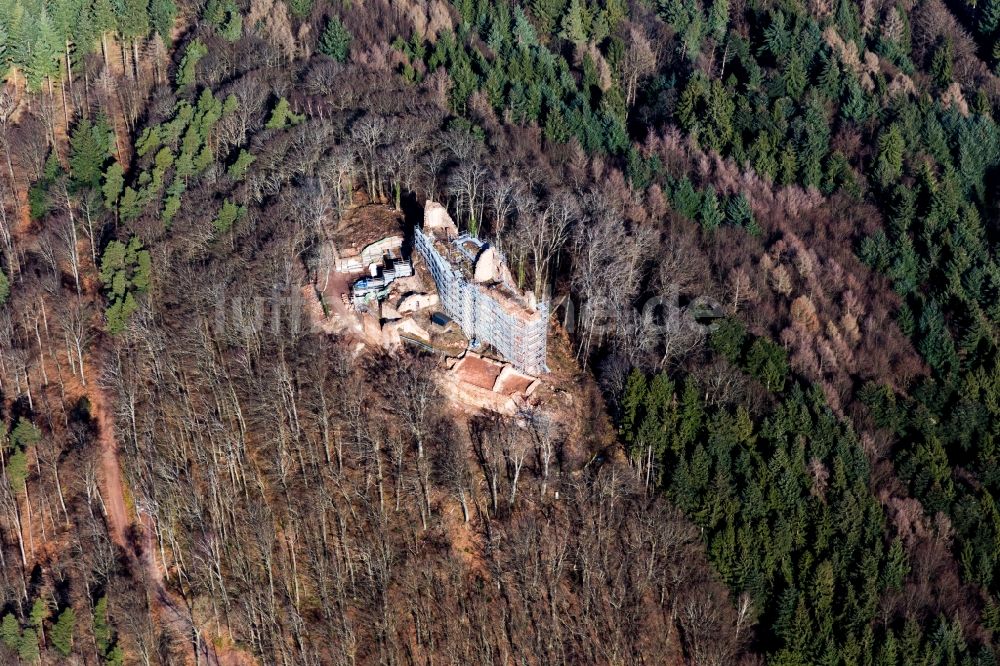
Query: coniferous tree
(125,272)
(45,47)
(941,63)
(685,199)
(936,344)
(39,613)
(728,339)
(62,632)
(556,128)
(238,169)
(897,566)
(692,414)
(768,362)
(631,404)
(162,14)
(228,215)
(65,16)
(710,215)
(739,212)
(795,77)
(282,116)
(524,31)
(574,23)
(857,106)
(194,52)
(830,79)
(231,28)
(39,198)
(103,15)
(114,181)
(27,649)
(989,17)
(495,86)
(102,630)
(890,156)
(133,24)
(300,7)
(690,105)
(90,148)
(847,20)
(548,13)
(718,18)
(464,82)
(10,631)
(335,40)
(762,156)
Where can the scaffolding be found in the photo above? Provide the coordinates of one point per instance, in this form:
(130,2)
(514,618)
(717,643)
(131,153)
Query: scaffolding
(376,287)
(487,313)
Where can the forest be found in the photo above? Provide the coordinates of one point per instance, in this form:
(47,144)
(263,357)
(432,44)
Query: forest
(812,479)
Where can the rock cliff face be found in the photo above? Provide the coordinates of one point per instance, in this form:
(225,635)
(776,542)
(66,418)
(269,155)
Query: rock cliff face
(415,302)
(436,218)
(487,266)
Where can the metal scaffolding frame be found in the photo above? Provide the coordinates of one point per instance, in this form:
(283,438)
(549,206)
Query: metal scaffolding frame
(376,287)
(479,311)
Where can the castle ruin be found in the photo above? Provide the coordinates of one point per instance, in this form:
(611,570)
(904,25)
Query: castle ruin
(477,290)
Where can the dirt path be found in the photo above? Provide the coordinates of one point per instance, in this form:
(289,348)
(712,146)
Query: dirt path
(170,611)
(111,472)
(340,318)
(173,613)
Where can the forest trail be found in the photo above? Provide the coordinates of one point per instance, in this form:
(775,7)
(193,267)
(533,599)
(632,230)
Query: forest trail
(169,608)
(113,491)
